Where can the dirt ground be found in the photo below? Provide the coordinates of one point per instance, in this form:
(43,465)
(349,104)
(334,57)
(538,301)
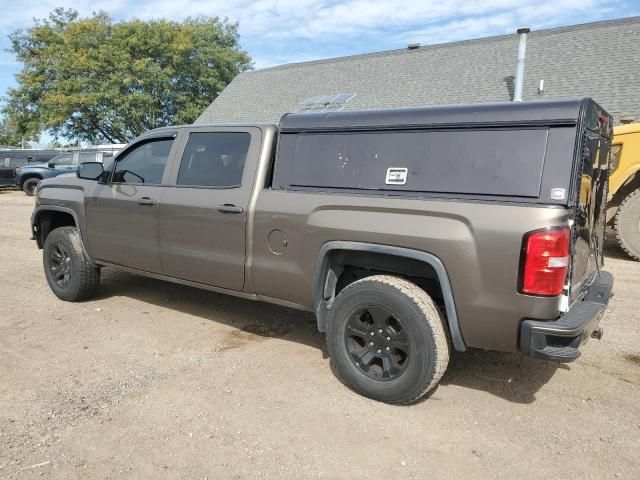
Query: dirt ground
(154,380)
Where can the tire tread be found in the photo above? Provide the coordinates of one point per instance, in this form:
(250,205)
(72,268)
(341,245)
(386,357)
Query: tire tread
(432,318)
(28,181)
(89,276)
(633,196)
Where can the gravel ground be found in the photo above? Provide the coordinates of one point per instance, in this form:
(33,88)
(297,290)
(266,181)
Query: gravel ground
(153,380)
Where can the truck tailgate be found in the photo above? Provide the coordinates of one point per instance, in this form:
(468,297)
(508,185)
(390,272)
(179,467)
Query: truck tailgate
(590,197)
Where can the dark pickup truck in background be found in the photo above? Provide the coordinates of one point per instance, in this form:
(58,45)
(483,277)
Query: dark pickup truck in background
(408,232)
(28,176)
(12,158)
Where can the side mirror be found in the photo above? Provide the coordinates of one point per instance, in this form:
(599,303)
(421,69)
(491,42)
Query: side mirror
(90,170)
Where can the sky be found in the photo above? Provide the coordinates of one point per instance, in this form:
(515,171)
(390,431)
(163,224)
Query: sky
(284,31)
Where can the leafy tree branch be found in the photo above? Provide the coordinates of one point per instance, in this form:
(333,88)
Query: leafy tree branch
(98,80)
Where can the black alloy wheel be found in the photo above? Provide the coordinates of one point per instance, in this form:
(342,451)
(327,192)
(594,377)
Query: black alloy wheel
(386,339)
(60,265)
(377,342)
(70,273)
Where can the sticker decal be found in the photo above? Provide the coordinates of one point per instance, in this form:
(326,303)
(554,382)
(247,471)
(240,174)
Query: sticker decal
(396,176)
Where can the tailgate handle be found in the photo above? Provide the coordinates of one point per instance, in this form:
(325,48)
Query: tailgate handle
(229,208)
(146,201)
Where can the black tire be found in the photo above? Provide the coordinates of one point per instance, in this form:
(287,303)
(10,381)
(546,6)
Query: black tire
(391,305)
(69,272)
(627,224)
(29,186)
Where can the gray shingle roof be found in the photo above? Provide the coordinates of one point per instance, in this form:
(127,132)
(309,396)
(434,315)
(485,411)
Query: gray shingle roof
(599,60)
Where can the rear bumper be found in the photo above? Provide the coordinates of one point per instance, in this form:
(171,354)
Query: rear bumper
(559,340)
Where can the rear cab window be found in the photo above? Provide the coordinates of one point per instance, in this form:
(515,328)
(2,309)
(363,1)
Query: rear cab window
(214,159)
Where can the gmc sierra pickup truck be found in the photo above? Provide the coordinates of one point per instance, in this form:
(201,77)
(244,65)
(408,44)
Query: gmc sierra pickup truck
(409,232)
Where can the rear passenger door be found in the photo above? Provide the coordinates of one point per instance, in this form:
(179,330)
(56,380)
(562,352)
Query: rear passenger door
(203,213)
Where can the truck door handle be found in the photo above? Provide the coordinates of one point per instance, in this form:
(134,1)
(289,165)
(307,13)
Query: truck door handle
(146,201)
(229,208)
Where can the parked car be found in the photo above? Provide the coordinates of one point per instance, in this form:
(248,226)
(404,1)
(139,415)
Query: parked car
(10,159)
(624,187)
(28,176)
(408,232)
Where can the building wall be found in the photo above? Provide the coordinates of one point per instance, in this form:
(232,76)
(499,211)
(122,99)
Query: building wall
(600,60)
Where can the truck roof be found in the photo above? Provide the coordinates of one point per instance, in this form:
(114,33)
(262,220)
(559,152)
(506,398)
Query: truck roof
(557,111)
(175,128)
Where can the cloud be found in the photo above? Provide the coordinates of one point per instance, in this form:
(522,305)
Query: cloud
(283,31)
(22,15)
(315,18)
(349,18)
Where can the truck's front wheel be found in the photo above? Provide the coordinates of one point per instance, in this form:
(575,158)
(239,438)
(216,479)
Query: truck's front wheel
(69,272)
(387,339)
(627,224)
(29,186)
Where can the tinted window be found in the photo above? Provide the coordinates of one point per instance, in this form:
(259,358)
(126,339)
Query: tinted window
(486,162)
(144,164)
(87,157)
(12,162)
(107,159)
(214,159)
(66,159)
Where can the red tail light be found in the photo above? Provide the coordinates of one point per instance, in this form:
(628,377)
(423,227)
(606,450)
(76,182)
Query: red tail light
(545,260)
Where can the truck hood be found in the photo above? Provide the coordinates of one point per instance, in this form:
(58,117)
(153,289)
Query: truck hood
(66,180)
(63,191)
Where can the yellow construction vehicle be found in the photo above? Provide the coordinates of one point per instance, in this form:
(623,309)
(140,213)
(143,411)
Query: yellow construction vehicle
(624,187)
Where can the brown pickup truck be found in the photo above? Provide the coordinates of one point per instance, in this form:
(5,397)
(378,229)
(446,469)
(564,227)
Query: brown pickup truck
(409,232)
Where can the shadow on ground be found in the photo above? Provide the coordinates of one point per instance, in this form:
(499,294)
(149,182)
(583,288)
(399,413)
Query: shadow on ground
(254,321)
(510,376)
(612,249)
(506,375)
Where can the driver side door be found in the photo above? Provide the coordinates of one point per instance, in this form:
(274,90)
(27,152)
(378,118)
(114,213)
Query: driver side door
(63,163)
(122,214)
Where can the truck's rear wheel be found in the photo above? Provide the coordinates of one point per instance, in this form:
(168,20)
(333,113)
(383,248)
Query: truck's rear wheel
(29,186)
(627,224)
(69,272)
(387,339)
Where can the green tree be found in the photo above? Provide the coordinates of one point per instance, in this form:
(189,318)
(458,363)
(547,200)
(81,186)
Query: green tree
(17,123)
(98,80)
(7,136)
